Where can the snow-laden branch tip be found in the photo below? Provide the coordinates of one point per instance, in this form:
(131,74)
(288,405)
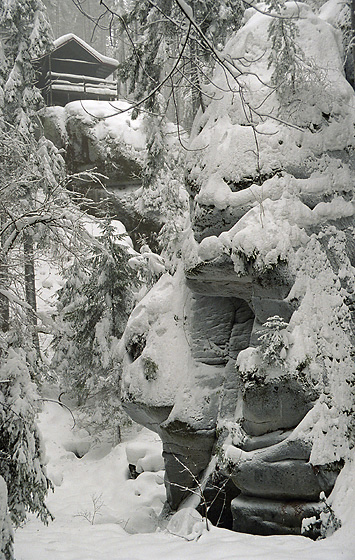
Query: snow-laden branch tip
(156,89)
(185,8)
(10,296)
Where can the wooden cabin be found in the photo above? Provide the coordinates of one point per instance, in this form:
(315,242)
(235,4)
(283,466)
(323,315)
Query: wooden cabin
(74,70)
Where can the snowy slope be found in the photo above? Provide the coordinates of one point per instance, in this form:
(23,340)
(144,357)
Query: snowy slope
(102,473)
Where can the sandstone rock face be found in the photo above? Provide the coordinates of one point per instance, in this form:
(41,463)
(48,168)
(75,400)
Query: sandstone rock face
(274,404)
(253,336)
(166,391)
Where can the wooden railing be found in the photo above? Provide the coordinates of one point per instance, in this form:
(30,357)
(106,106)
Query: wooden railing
(86,85)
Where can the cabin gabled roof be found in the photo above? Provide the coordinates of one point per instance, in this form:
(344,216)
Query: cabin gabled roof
(78,57)
(69,40)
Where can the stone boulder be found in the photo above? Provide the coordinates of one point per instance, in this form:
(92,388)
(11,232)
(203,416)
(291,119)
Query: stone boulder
(271,517)
(275,404)
(281,471)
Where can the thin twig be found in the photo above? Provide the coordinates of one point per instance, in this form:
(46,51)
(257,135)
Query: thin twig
(63,405)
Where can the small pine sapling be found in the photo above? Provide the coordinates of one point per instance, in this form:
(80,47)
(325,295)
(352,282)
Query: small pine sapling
(324,525)
(274,341)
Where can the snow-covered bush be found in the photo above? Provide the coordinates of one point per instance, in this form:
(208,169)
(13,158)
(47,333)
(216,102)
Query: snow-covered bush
(325,526)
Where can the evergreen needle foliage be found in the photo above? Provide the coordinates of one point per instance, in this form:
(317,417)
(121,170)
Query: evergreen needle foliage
(21,451)
(155,33)
(273,341)
(94,305)
(285,56)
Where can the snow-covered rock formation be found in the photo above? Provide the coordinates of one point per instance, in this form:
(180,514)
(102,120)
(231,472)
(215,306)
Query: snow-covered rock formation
(98,134)
(246,354)
(101,137)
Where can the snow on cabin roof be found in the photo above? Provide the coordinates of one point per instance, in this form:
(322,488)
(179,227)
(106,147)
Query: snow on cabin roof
(100,57)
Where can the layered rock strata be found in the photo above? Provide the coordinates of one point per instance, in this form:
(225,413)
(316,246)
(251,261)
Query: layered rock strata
(252,339)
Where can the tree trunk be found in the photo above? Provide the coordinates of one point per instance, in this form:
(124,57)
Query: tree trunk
(4,302)
(196,95)
(30,290)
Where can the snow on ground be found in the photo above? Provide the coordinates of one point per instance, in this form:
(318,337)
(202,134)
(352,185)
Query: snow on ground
(102,475)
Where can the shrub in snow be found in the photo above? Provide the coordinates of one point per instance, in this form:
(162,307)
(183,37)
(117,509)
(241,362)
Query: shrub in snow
(148,264)
(325,525)
(150,369)
(91,514)
(255,364)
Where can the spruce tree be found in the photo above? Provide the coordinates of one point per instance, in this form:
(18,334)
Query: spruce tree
(21,450)
(94,305)
(6,534)
(25,35)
